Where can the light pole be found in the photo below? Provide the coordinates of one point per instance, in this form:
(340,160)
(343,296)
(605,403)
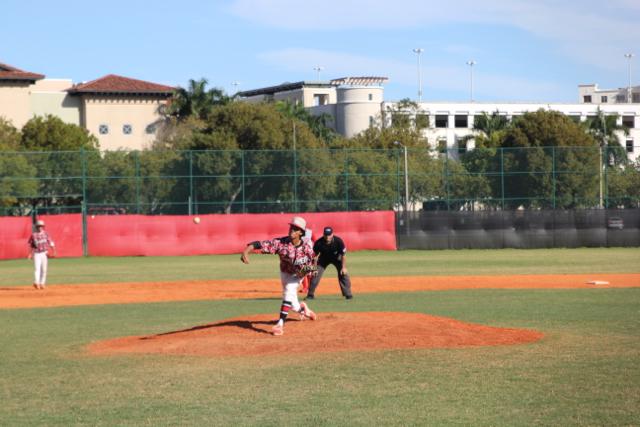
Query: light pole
(418,51)
(471,63)
(235,87)
(317,69)
(629,56)
(406,175)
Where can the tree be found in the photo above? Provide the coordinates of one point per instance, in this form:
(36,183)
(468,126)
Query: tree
(548,161)
(249,157)
(318,124)
(606,130)
(17,176)
(62,156)
(196,101)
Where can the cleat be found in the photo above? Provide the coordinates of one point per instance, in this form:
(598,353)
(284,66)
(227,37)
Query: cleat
(277,330)
(35,285)
(307,312)
(310,297)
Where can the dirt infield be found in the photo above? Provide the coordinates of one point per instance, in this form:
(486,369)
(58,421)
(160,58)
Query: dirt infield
(125,293)
(332,332)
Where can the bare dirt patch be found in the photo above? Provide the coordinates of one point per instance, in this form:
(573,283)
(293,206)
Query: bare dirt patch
(332,332)
(125,293)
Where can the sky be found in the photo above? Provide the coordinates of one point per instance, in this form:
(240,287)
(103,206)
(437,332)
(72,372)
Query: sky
(524,50)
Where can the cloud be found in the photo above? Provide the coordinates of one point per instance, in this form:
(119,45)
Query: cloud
(588,31)
(456,79)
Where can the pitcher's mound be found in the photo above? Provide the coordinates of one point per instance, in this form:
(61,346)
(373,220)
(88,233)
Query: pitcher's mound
(332,332)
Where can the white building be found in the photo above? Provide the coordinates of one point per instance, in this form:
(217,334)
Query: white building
(355,103)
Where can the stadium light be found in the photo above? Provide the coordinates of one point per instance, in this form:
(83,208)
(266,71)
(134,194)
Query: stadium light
(629,56)
(406,175)
(471,63)
(418,51)
(317,69)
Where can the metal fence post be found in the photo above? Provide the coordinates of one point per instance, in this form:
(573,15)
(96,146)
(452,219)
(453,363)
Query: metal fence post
(83,158)
(553,176)
(502,174)
(244,205)
(295,181)
(190,208)
(137,172)
(346,178)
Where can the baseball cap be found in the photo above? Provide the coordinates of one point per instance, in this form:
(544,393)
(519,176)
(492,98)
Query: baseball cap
(328,231)
(39,223)
(299,222)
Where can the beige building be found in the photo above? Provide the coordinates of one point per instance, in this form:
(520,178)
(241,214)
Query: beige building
(592,94)
(352,102)
(121,112)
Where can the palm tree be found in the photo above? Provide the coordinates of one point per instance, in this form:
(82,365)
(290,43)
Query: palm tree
(606,131)
(488,129)
(196,101)
(318,124)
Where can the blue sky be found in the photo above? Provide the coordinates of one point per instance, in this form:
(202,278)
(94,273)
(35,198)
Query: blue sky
(525,50)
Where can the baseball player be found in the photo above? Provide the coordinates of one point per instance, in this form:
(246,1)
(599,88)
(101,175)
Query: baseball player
(330,249)
(296,261)
(39,245)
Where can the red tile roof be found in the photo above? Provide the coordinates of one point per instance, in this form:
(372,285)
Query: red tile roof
(7,72)
(117,84)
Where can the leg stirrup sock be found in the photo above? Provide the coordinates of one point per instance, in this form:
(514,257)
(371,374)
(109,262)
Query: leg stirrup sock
(284,309)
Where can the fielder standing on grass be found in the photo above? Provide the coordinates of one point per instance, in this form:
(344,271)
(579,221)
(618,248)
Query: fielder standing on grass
(39,245)
(296,261)
(330,249)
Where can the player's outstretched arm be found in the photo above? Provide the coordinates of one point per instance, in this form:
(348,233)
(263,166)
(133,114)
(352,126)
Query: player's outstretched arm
(250,247)
(245,254)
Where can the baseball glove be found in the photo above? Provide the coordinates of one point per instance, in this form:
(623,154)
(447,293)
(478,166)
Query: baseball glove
(309,269)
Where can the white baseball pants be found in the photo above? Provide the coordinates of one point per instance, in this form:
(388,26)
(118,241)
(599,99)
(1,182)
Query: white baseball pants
(290,284)
(40,262)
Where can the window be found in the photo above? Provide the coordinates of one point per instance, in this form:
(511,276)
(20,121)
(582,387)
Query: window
(461,121)
(320,99)
(621,98)
(586,99)
(103,129)
(575,118)
(126,129)
(628,121)
(370,97)
(604,99)
(372,121)
(442,120)
(150,129)
(629,145)
(635,97)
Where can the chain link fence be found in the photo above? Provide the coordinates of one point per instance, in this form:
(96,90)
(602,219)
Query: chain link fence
(261,181)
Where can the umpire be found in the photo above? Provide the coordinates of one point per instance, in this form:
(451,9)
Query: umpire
(330,249)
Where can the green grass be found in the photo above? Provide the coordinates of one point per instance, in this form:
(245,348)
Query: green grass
(585,371)
(365,263)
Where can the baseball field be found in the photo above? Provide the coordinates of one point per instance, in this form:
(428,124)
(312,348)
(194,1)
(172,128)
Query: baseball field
(471,337)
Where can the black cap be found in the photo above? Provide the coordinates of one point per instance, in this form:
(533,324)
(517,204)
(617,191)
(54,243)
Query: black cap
(328,231)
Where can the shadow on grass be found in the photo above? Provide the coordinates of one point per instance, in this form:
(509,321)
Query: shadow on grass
(243,324)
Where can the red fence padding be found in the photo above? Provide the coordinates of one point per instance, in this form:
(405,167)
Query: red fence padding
(141,235)
(65,230)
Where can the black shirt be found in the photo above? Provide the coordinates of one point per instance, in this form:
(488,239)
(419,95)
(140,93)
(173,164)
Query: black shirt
(330,253)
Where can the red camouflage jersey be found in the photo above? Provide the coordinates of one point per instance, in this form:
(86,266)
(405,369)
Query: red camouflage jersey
(40,241)
(292,258)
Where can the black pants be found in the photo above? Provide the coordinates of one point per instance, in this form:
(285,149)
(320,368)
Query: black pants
(343,279)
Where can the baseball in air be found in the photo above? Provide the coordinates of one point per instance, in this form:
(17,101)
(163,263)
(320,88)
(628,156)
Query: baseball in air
(196,220)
